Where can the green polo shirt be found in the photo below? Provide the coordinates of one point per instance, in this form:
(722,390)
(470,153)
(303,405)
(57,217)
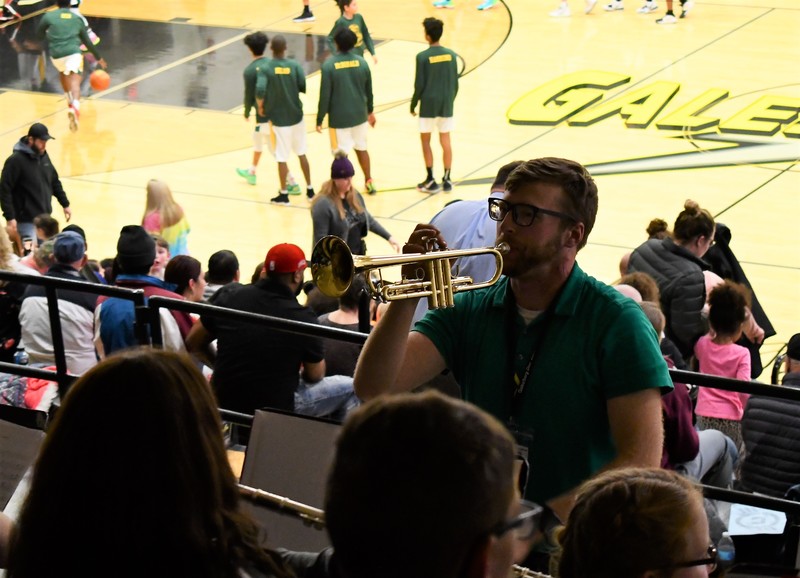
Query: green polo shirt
(597,345)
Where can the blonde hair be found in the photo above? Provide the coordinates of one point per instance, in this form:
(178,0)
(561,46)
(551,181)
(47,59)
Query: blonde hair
(159,199)
(328,190)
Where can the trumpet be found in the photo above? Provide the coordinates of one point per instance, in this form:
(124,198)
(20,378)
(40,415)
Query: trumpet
(316,518)
(333,267)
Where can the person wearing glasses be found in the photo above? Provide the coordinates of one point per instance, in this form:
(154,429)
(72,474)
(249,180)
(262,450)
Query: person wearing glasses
(637,523)
(677,265)
(570,364)
(424,486)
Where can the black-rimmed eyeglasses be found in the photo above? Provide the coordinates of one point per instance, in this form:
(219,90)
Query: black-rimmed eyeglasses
(522,213)
(523,526)
(711,561)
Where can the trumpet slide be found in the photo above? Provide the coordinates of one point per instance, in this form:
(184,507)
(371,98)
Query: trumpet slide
(333,267)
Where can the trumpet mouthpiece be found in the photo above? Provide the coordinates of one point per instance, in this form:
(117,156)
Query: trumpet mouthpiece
(503,248)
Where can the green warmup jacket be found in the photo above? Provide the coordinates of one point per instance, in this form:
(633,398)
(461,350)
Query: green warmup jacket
(280,84)
(251,74)
(359,27)
(436,82)
(346,91)
(65,32)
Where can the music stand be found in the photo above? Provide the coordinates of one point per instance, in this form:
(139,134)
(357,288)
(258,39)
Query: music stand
(290,455)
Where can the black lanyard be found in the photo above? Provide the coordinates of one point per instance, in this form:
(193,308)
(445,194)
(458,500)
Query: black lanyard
(518,384)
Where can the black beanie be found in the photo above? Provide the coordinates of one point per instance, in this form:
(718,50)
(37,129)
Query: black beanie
(136,250)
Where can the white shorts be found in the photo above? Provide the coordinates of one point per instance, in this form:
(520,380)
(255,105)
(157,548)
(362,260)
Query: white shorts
(288,139)
(345,139)
(262,134)
(72,64)
(443,124)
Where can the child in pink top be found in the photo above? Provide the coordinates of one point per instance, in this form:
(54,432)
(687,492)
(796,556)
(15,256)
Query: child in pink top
(718,354)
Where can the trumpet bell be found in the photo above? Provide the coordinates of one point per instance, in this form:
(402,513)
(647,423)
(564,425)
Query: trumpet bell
(332,266)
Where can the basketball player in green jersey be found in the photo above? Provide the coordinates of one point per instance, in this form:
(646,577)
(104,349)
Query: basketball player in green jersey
(65,32)
(435,89)
(351,19)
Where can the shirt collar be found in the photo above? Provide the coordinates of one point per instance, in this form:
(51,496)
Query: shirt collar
(568,297)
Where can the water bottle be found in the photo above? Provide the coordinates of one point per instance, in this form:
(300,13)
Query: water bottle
(726,550)
(21,358)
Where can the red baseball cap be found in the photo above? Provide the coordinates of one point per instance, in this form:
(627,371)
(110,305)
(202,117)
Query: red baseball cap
(285,258)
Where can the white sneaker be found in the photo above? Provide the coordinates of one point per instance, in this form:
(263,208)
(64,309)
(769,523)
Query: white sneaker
(685,7)
(561,12)
(614,5)
(647,7)
(667,19)
(589,6)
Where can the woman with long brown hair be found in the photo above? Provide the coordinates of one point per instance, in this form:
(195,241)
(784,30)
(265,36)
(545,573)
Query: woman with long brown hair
(133,480)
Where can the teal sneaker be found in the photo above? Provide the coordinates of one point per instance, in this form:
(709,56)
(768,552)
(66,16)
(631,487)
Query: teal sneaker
(246,175)
(293,189)
(370,186)
(487,5)
(443,4)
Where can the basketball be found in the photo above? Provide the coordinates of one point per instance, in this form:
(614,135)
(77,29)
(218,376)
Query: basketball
(99,79)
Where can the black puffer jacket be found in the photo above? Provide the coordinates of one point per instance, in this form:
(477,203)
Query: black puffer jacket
(679,276)
(771,431)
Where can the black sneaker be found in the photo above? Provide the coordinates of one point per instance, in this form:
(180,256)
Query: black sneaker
(281,199)
(447,185)
(306,16)
(429,186)
(310,193)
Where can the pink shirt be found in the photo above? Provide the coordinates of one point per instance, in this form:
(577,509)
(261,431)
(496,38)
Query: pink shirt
(726,361)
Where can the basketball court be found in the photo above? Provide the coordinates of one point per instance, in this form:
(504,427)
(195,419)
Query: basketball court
(704,109)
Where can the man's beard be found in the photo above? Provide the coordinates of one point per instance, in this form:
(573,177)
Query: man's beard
(532,258)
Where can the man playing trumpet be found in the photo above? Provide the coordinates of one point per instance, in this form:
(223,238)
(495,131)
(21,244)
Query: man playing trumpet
(569,364)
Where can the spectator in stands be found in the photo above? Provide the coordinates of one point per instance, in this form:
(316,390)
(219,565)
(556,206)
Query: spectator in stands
(513,347)
(88,272)
(186,274)
(423,485)
(718,354)
(164,216)
(677,266)
(135,465)
(656,229)
(257,366)
(637,522)
(46,227)
(467,225)
(10,297)
(223,268)
(648,289)
(115,317)
(341,356)
(771,432)
(38,261)
(707,456)
(76,311)
(162,256)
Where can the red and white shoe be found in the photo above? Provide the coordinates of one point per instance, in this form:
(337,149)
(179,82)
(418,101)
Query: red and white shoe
(74,118)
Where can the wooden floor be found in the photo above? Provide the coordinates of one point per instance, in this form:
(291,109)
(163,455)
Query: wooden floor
(704,109)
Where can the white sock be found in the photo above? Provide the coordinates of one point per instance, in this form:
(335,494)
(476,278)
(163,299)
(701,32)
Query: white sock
(76,104)
(252,170)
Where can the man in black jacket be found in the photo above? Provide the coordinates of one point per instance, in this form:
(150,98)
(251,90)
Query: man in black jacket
(771,432)
(28,182)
